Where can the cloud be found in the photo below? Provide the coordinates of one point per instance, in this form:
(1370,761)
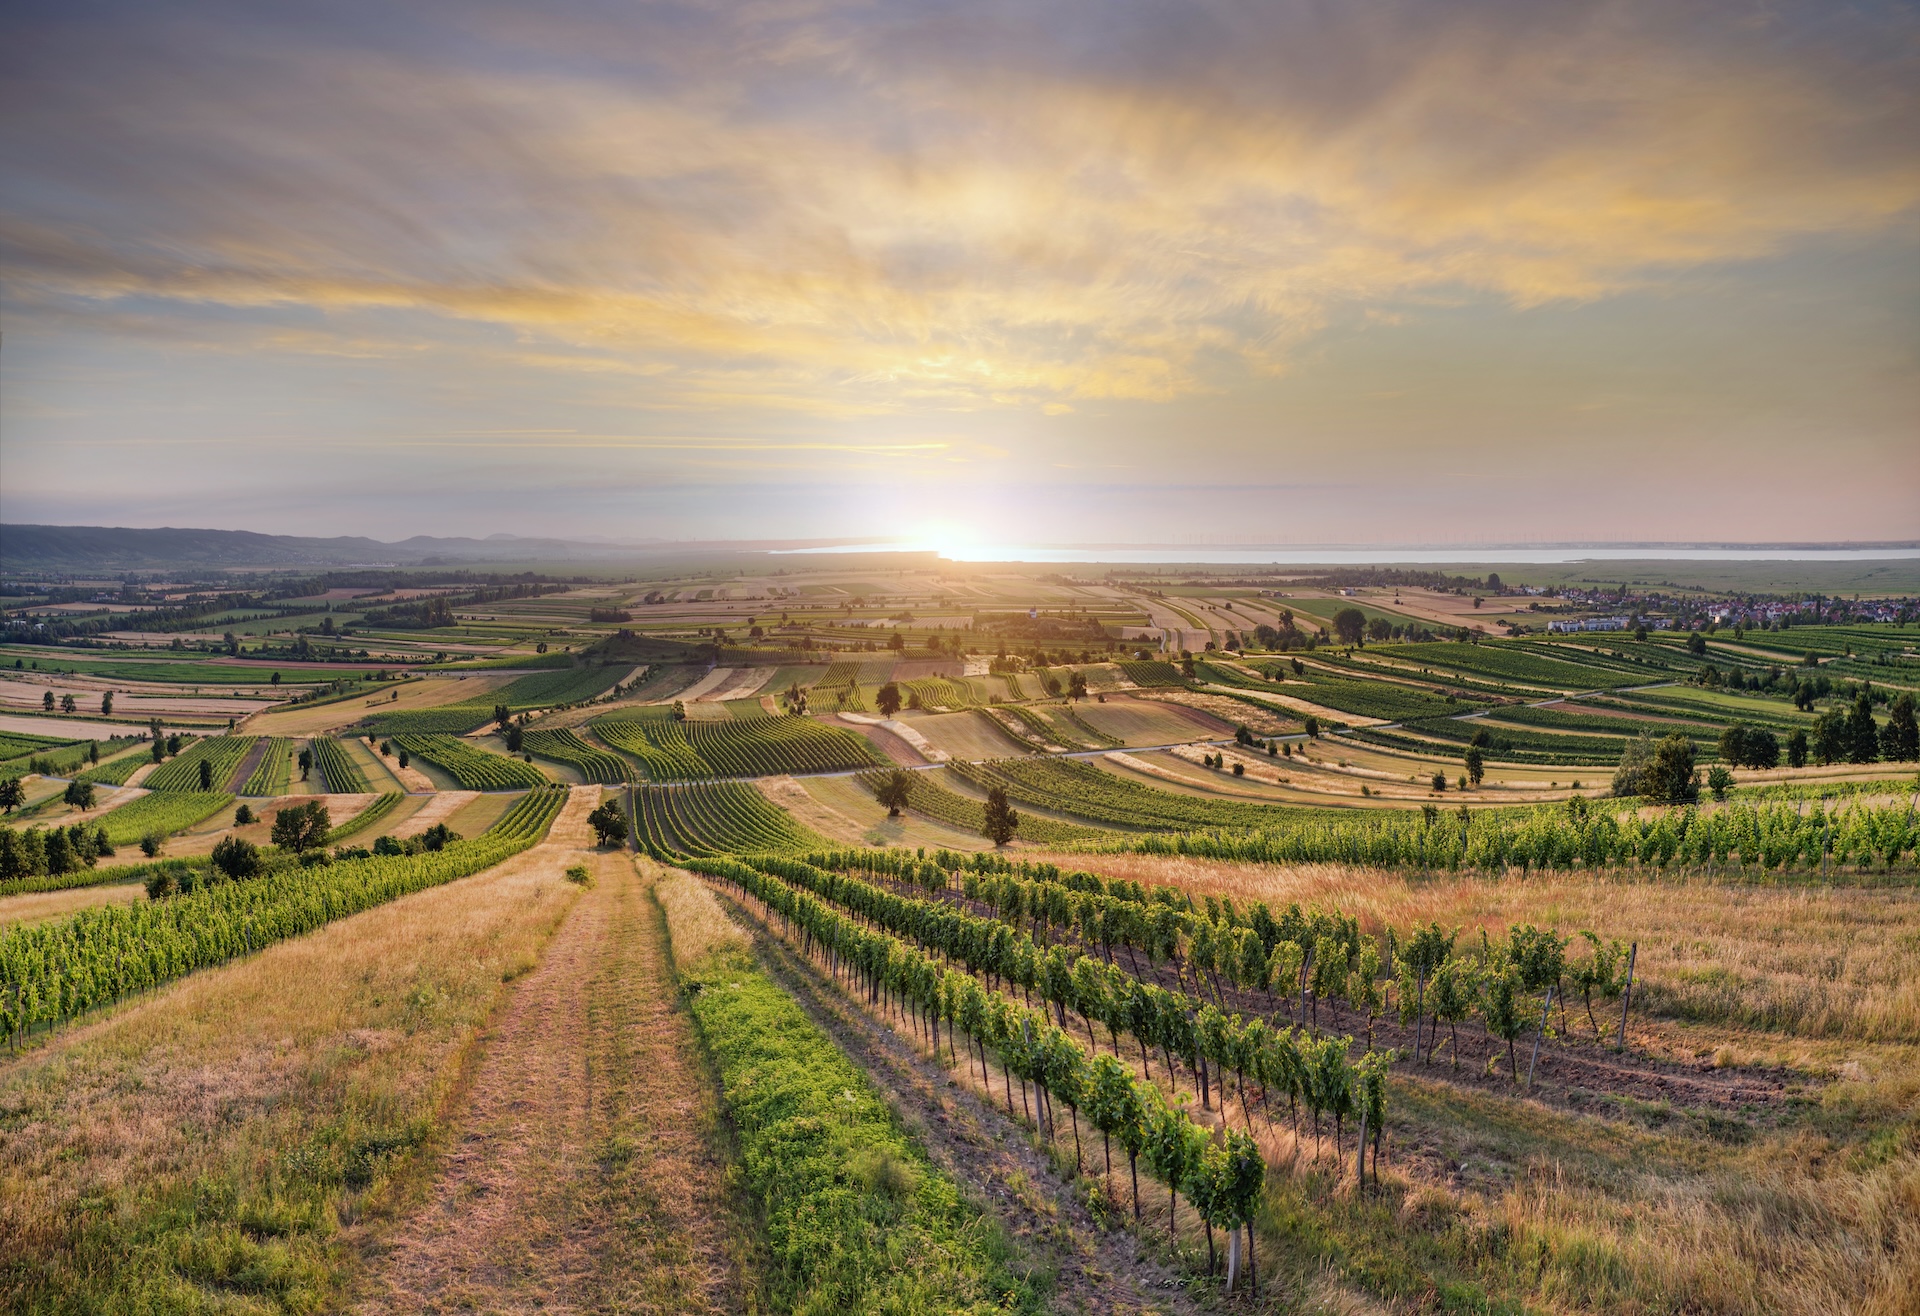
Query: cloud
(848,210)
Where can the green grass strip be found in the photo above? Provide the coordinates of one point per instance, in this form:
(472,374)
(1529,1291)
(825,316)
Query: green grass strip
(857,1219)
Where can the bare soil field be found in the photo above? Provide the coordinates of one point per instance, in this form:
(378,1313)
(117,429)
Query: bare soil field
(1149,721)
(399,697)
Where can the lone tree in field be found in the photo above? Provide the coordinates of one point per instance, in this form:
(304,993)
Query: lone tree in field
(896,792)
(12,794)
(1349,624)
(609,823)
(888,699)
(206,775)
(1476,765)
(106,704)
(1077,686)
(305,827)
(1000,817)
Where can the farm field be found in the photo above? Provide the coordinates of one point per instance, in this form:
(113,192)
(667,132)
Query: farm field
(1767,1032)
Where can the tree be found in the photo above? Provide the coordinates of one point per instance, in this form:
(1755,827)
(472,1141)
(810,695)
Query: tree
(888,699)
(68,704)
(1476,765)
(896,792)
(1077,686)
(306,763)
(1439,783)
(1697,645)
(106,704)
(1379,629)
(1349,624)
(502,715)
(1863,734)
(1312,727)
(46,701)
(242,816)
(12,794)
(206,774)
(239,859)
(1830,740)
(516,737)
(1797,750)
(897,642)
(303,827)
(274,679)
(1000,820)
(1719,781)
(1900,738)
(79,794)
(609,823)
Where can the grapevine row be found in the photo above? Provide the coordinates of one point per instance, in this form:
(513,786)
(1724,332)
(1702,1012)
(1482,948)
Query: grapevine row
(474,769)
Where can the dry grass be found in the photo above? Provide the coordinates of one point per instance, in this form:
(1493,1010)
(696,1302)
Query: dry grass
(1813,1209)
(587,1173)
(696,925)
(232,1135)
(39,906)
(1815,962)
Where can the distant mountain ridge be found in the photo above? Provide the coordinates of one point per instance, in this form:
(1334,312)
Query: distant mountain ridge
(118,548)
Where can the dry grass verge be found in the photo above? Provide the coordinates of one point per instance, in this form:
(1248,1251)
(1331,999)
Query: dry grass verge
(227,1143)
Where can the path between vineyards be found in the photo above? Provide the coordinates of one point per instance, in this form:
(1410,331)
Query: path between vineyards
(1096,1270)
(584,1171)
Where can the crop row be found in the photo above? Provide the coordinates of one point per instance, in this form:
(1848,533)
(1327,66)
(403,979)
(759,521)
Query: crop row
(1601,753)
(763,746)
(221,754)
(939,692)
(13,744)
(54,971)
(1221,1176)
(162,812)
(1758,838)
(1519,662)
(114,771)
(1085,791)
(926,796)
(703,819)
(838,1239)
(1569,717)
(566,746)
(547,689)
(342,775)
(474,769)
(272,774)
(1151,673)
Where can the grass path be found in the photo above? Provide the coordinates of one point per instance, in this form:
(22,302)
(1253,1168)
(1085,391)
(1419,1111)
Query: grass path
(584,1171)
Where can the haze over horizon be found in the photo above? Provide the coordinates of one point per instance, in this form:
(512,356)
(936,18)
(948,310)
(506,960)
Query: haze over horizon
(1408,273)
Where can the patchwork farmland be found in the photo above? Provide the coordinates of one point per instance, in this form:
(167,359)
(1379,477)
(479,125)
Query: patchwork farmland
(1349,960)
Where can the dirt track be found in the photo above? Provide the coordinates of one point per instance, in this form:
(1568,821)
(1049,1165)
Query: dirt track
(582,1176)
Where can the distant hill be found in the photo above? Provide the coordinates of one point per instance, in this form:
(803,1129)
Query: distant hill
(68,548)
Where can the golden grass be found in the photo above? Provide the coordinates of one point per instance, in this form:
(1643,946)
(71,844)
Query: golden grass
(234,1133)
(696,925)
(1817,962)
(39,906)
(1812,1209)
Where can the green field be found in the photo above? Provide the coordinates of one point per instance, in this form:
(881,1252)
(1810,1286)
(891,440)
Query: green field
(222,754)
(714,818)
(668,750)
(474,769)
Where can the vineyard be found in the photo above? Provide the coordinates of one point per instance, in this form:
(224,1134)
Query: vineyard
(564,746)
(841,685)
(222,754)
(714,818)
(114,772)
(274,771)
(546,689)
(337,768)
(14,744)
(939,692)
(963,813)
(765,746)
(162,813)
(1082,790)
(56,971)
(1152,673)
(1515,662)
(374,812)
(474,769)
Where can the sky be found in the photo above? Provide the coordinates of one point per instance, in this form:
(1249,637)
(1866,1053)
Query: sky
(1396,272)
